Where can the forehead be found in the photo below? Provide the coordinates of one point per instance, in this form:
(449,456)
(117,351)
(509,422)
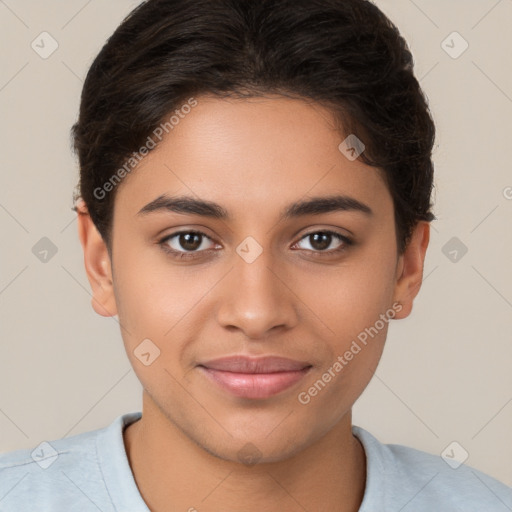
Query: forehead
(252,155)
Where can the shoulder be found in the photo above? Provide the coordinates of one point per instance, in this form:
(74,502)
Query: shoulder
(411,479)
(62,473)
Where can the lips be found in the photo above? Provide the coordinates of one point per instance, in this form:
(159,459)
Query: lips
(254,378)
(243,364)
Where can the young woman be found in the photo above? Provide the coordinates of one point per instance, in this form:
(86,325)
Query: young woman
(254,206)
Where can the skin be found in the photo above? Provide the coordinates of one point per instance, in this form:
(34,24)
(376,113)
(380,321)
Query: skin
(253,157)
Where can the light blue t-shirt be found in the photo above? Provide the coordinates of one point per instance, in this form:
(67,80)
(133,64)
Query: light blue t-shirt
(90,472)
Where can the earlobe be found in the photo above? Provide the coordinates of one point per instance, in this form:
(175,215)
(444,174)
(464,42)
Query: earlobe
(97,263)
(410,269)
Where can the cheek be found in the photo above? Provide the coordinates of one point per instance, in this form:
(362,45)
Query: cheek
(150,293)
(351,296)
(139,292)
(355,305)
(161,302)
(332,391)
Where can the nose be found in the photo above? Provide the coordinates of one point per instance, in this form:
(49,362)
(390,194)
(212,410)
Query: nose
(257,297)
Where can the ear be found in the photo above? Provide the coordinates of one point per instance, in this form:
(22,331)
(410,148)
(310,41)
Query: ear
(97,263)
(410,269)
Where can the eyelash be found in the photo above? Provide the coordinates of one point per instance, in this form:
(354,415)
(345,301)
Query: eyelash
(347,242)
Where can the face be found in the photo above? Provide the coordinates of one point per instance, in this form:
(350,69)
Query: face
(266,272)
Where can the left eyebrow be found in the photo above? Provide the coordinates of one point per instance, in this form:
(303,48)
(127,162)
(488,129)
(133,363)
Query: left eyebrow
(329,204)
(313,206)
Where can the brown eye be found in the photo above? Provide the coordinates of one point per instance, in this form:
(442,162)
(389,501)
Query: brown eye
(189,241)
(320,241)
(185,242)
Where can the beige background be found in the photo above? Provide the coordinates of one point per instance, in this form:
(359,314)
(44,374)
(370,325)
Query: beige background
(445,375)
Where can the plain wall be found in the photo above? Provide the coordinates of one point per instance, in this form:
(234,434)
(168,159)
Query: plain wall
(446,371)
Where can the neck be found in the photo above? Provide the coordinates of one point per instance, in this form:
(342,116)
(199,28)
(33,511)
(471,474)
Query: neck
(174,473)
